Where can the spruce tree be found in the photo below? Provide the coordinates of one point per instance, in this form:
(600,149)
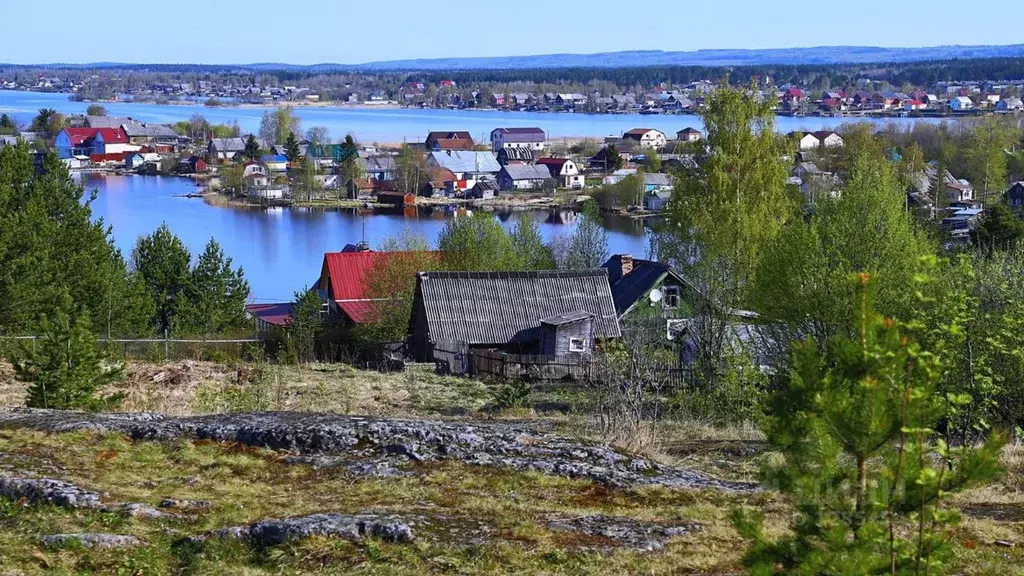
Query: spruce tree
(291,148)
(65,367)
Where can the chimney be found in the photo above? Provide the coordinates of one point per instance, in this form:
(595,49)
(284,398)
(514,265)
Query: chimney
(626,261)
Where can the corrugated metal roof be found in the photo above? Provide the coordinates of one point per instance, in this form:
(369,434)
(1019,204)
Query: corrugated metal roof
(347,273)
(495,308)
(460,161)
(527,172)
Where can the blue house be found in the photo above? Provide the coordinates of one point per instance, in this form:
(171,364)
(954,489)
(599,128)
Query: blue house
(74,142)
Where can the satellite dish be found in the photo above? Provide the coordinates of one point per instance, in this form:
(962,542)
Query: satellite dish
(656,296)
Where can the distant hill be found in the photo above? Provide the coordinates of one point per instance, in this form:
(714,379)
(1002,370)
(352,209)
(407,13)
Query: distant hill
(635,58)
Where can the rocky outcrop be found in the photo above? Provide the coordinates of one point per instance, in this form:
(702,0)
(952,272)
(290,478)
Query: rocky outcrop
(354,527)
(181,504)
(46,490)
(606,532)
(355,439)
(91,540)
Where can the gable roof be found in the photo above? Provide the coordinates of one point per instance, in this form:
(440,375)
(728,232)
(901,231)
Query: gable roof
(461,161)
(139,130)
(554,165)
(112,135)
(452,140)
(521,134)
(228,144)
(347,275)
(494,308)
(527,172)
(629,289)
(638,133)
(79,135)
(515,154)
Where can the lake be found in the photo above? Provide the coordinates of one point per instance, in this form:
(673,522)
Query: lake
(405,124)
(281,249)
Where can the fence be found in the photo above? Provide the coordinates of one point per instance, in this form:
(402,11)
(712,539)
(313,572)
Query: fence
(457,358)
(163,348)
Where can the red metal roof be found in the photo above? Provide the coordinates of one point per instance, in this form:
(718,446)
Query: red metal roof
(273,314)
(113,135)
(347,275)
(80,135)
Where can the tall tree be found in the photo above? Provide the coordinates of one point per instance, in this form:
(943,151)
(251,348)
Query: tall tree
(411,171)
(162,261)
(215,297)
(318,135)
(477,242)
(349,167)
(588,245)
(48,122)
(306,327)
(7,125)
(277,124)
(529,245)
(724,213)
(66,368)
(985,156)
(291,148)
(252,148)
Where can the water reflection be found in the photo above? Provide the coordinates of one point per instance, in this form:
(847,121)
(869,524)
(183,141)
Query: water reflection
(281,249)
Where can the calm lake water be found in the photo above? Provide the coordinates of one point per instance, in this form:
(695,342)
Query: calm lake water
(404,124)
(282,249)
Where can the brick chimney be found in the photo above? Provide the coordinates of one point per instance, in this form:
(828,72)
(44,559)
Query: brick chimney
(626,261)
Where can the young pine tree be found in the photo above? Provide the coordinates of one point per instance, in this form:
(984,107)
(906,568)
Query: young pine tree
(65,367)
(865,469)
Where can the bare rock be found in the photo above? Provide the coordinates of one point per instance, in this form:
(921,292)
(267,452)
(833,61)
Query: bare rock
(607,532)
(46,490)
(277,531)
(91,540)
(181,504)
(137,510)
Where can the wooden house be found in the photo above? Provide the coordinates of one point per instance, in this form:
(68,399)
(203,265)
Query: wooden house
(517,312)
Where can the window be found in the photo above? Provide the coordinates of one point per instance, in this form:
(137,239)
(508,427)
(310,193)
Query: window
(577,345)
(671,300)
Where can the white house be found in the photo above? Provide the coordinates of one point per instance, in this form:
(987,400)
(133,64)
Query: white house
(1010,104)
(646,137)
(828,138)
(688,135)
(532,138)
(806,140)
(564,170)
(961,103)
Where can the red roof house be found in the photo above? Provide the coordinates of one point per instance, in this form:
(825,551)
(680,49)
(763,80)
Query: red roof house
(344,277)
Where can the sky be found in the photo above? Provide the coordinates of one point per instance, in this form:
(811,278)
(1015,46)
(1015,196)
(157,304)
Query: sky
(358,31)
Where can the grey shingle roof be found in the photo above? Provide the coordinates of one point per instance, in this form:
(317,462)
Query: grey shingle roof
(657,179)
(501,307)
(136,130)
(228,144)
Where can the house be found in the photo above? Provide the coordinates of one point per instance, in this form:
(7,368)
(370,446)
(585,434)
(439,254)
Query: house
(1014,195)
(224,149)
(515,155)
(565,171)
(458,140)
(134,161)
(1010,104)
(142,134)
(395,198)
(343,287)
(255,176)
(645,137)
(602,161)
(378,167)
(110,141)
(465,165)
(961,103)
(618,176)
(656,200)
(523,176)
(805,140)
(192,165)
(958,190)
(688,135)
(269,317)
(828,138)
(275,162)
(483,190)
(913,105)
(553,312)
(656,181)
(71,142)
(639,285)
(532,138)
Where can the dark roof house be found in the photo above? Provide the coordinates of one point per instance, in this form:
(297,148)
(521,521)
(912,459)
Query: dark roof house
(455,140)
(633,280)
(506,309)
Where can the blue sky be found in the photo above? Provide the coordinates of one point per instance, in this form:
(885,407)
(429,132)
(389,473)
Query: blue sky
(355,31)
